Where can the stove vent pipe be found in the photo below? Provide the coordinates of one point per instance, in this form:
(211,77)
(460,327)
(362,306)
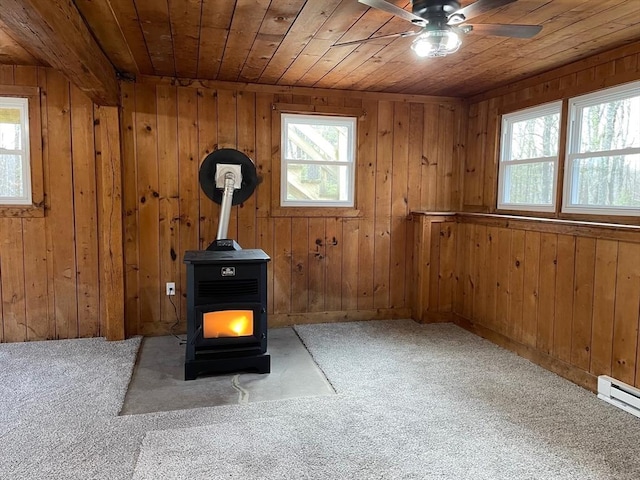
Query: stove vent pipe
(229,179)
(225,208)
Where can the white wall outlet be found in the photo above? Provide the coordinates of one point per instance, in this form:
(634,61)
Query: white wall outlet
(171,288)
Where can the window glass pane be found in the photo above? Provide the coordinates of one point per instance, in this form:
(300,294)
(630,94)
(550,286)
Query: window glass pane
(10,129)
(11,178)
(612,181)
(611,125)
(529,183)
(307,141)
(535,137)
(321,182)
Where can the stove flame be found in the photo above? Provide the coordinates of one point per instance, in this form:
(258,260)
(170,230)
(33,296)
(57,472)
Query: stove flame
(227,323)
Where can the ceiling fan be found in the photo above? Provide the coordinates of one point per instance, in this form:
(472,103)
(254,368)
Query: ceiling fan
(443,24)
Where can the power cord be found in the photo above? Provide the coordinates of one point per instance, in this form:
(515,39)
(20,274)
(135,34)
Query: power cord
(175,309)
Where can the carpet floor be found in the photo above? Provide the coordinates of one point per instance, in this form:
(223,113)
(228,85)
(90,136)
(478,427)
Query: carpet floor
(413,402)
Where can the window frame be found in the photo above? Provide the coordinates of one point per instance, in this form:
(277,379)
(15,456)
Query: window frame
(37,206)
(572,147)
(351,121)
(506,132)
(22,103)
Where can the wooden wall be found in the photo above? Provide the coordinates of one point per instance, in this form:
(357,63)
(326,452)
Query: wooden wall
(566,294)
(480,173)
(327,265)
(52,264)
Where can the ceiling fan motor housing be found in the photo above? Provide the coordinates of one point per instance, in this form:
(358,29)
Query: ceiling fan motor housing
(435,10)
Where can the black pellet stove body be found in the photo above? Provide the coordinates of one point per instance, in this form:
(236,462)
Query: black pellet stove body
(226,285)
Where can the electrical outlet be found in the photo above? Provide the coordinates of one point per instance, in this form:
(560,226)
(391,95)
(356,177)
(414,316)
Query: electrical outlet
(171,288)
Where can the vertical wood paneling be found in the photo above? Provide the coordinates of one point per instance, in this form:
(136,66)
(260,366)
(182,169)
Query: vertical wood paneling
(446,142)
(547,309)
(247,144)
(334,250)
(564,297)
(299,264)
(574,298)
(362,267)
(516,284)
(205,120)
(282,266)
(49,265)
(492,277)
(625,326)
(383,204)
(110,222)
(416,156)
(350,247)
(429,172)
(398,261)
(12,271)
(189,188)
(400,160)
(479,262)
(148,207)
(169,208)
(316,261)
(434,266)
(531,268)
(130,204)
(263,153)
(36,280)
(265,242)
(84,182)
(366,249)
(604,292)
(583,302)
(60,216)
(502,284)
(227,125)
(447,266)
(366,161)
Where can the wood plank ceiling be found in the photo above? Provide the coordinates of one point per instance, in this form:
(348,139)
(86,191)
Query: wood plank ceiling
(289,42)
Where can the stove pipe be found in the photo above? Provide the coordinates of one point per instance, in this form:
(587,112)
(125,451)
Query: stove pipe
(225,207)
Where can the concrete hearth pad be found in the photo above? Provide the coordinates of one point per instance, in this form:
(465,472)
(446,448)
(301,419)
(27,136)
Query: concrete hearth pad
(158,381)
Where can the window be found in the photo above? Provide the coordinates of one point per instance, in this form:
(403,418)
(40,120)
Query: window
(318,158)
(602,172)
(15,171)
(529,159)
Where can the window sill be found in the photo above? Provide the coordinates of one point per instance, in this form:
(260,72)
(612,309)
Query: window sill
(21,211)
(343,212)
(573,218)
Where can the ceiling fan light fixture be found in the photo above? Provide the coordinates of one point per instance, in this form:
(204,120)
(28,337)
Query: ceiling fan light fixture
(436,43)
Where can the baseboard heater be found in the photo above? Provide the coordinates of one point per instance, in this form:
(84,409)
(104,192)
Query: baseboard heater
(619,394)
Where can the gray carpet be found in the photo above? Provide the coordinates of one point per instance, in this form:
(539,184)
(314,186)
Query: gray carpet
(414,402)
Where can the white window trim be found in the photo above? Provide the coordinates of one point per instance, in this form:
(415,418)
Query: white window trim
(352,123)
(24,153)
(505,152)
(576,106)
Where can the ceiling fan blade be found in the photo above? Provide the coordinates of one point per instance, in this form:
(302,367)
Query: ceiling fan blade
(480,7)
(515,31)
(380,37)
(393,10)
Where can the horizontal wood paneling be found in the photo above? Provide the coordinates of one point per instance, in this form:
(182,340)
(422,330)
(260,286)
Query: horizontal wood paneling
(52,267)
(321,262)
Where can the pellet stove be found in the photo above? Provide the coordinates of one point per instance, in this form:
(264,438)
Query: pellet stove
(226,285)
